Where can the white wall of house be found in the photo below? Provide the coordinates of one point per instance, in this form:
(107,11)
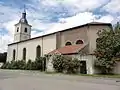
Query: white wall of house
(89,62)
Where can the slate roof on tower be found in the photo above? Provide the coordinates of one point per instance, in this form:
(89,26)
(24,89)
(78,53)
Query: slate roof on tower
(23,19)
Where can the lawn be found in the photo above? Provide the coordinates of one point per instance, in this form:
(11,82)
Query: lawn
(89,75)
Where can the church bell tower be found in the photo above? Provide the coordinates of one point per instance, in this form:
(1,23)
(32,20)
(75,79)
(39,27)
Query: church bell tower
(22,29)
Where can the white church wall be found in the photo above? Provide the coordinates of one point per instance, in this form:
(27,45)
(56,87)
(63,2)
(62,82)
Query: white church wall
(49,43)
(30,48)
(10,52)
(92,35)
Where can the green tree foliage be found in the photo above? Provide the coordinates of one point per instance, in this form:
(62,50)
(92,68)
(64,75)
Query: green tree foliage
(65,64)
(107,49)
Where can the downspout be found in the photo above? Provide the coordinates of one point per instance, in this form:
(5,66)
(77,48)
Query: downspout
(42,46)
(17,52)
(88,42)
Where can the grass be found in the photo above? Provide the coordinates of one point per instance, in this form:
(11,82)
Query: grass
(88,75)
(103,76)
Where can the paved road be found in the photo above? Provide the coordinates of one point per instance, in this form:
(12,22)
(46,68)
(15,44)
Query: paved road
(24,80)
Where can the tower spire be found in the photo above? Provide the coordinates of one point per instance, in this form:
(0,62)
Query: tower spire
(24,9)
(23,18)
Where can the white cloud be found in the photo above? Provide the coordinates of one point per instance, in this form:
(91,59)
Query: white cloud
(106,19)
(36,24)
(36,34)
(69,22)
(49,2)
(79,19)
(4,41)
(80,5)
(10,26)
(8,13)
(87,4)
(113,6)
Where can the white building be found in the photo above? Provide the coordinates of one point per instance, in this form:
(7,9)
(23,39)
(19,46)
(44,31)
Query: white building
(77,41)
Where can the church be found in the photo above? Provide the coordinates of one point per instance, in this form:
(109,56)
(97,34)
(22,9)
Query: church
(79,42)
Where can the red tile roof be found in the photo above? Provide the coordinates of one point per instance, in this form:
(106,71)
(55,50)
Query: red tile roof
(68,49)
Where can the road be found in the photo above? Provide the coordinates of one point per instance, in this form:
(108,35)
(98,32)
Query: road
(26,80)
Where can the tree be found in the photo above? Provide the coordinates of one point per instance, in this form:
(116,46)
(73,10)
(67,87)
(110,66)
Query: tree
(107,49)
(3,57)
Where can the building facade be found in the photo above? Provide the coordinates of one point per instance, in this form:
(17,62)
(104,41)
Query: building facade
(77,42)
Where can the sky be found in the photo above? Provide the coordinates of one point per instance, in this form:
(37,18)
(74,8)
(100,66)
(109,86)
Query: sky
(47,16)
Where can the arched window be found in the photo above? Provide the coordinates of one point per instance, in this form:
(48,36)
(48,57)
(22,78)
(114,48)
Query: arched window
(24,53)
(17,29)
(38,51)
(25,29)
(14,53)
(68,43)
(79,42)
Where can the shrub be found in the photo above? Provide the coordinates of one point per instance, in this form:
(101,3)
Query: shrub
(21,64)
(58,63)
(29,65)
(38,64)
(5,65)
(65,64)
(71,65)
